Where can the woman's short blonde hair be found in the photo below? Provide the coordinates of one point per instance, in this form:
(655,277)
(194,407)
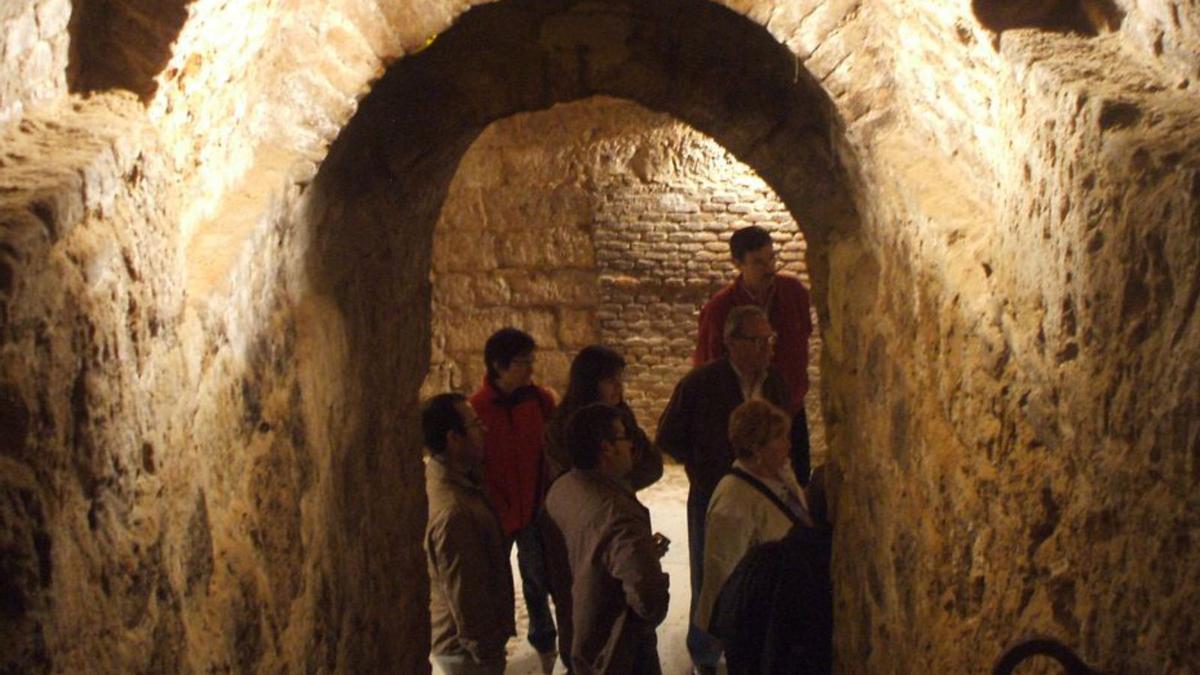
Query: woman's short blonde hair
(754,423)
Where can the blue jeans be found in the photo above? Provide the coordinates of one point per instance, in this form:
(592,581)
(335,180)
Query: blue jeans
(704,648)
(531,562)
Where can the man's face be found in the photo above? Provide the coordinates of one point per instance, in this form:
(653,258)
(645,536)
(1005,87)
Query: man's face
(519,373)
(619,451)
(471,443)
(757,266)
(751,348)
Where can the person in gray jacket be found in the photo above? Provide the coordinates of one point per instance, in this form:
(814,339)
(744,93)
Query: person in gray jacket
(470,580)
(618,587)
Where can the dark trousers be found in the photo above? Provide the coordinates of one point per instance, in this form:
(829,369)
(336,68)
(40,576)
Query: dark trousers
(704,648)
(531,562)
(801,450)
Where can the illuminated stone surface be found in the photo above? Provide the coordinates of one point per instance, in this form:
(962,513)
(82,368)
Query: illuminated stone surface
(215,317)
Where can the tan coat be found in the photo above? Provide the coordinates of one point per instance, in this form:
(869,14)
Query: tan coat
(470,581)
(618,590)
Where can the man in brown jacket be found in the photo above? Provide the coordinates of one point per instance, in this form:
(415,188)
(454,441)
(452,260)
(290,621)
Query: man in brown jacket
(471,593)
(694,429)
(618,589)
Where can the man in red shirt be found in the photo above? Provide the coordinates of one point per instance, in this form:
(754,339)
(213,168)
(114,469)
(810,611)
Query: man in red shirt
(515,411)
(786,302)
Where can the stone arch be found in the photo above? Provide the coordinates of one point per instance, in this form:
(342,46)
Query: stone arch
(527,55)
(369,215)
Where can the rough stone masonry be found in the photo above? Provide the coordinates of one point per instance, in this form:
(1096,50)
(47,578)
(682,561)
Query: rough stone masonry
(218,224)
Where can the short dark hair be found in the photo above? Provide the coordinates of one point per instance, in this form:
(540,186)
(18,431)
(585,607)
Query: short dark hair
(590,425)
(439,416)
(747,239)
(503,346)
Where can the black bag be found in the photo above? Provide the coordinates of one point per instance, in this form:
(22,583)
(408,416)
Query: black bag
(775,612)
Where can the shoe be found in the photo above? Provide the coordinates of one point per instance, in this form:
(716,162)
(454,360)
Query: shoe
(548,659)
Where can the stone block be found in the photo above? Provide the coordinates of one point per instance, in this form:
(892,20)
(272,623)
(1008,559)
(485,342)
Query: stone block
(577,328)
(557,248)
(465,251)
(468,329)
(574,288)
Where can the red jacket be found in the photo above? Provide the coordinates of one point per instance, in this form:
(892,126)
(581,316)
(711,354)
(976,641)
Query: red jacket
(787,310)
(514,466)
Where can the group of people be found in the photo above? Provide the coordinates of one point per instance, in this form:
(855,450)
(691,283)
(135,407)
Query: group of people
(508,467)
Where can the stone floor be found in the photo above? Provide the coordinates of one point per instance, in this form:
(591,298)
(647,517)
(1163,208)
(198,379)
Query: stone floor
(667,500)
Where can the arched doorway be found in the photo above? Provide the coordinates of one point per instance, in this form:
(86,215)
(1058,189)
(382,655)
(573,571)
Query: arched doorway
(374,204)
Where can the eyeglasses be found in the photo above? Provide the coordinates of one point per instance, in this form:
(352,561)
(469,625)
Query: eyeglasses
(758,340)
(759,262)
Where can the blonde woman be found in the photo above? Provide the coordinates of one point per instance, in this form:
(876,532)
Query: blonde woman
(758,501)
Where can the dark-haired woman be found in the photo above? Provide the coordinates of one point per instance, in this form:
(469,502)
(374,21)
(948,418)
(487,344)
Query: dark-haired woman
(597,377)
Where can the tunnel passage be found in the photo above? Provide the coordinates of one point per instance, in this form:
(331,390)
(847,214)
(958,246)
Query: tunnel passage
(377,197)
(596,221)
(228,480)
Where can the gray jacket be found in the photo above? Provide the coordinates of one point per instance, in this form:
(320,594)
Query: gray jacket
(618,589)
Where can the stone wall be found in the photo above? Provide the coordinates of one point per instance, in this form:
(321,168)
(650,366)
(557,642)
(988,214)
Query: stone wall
(982,413)
(513,247)
(33,51)
(209,450)
(595,221)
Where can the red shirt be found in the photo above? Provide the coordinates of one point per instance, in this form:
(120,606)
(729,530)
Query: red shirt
(514,466)
(787,309)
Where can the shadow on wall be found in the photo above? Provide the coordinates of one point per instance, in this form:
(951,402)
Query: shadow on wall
(122,44)
(1086,17)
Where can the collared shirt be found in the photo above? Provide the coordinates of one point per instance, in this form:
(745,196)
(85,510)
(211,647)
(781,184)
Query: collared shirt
(787,306)
(751,389)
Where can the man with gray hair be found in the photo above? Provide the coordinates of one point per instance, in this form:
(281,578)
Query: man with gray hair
(694,429)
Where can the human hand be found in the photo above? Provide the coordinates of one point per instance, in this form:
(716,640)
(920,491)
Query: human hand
(661,543)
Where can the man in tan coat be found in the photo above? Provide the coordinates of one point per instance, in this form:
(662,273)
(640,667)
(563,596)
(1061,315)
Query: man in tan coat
(618,589)
(471,593)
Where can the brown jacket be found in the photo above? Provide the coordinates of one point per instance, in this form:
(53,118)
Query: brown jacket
(694,427)
(619,592)
(470,581)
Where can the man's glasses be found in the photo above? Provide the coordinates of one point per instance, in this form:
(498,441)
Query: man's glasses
(758,340)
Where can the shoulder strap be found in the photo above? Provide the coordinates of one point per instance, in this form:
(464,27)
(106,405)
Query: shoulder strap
(767,492)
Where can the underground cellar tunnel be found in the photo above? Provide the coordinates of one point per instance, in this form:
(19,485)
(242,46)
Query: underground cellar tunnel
(215,309)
